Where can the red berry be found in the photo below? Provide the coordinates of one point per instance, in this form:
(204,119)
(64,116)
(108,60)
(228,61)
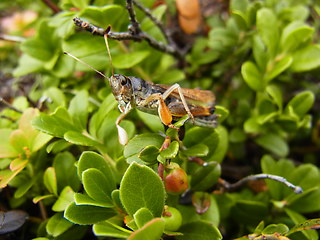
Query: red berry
(176,181)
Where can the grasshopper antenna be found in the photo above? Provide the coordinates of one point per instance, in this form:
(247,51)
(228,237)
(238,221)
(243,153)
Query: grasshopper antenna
(86,64)
(108,49)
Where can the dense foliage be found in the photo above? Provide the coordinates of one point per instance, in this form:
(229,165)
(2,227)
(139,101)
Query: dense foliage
(60,159)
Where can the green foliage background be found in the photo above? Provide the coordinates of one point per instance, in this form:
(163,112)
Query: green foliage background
(260,58)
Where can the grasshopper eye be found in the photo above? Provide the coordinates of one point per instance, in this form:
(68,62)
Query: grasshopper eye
(124,81)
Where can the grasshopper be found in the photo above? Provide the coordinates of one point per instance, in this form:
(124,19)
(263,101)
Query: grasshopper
(169,102)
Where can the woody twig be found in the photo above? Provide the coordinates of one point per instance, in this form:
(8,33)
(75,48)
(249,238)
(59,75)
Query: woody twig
(135,33)
(232,187)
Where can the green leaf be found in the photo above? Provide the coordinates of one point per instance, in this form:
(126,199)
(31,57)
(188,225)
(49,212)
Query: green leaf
(260,53)
(171,151)
(80,139)
(129,60)
(237,135)
(222,112)
(54,124)
(84,199)
(87,215)
(199,150)
(65,198)
(149,154)
(294,35)
(96,185)
(267,26)
(109,229)
(93,160)
(306,225)
(139,142)
(62,24)
(6,149)
(78,109)
(205,176)
(301,103)
(276,228)
(113,15)
(252,76)
(27,64)
(57,99)
(297,219)
(142,216)
(306,59)
(40,198)
(304,203)
(66,171)
(221,149)
(249,211)
(50,180)
(276,95)
(274,144)
(89,49)
(57,225)
(37,48)
(199,230)
(141,187)
(153,230)
(280,64)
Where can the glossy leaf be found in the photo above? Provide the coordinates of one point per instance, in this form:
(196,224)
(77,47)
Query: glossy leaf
(50,180)
(252,76)
(199,230)
(267,26)
(87,215)
(80,139)
(64,199)
(141,187)
(57,225)
(294,35)
(171,151)
(301,103)
(149,154)
(306,59)
(78,109)
(66,171)
(298,219)
(129,60)
(108,229)
(153,230)
(274,143)
(56,124)
(142,216)
(84,199)
(93,160)
(96,185)
(205,176)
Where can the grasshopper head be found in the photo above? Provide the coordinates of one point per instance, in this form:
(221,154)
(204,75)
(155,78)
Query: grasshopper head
(122,89)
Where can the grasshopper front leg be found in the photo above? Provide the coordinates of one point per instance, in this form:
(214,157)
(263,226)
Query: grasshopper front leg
(122,134)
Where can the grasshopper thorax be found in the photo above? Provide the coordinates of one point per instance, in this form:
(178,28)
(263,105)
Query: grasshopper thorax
(122,90)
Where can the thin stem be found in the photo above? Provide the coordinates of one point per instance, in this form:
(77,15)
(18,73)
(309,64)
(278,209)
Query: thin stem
(135,26)
(240,183)
(154,19)
(130,36)
(8,105)
(52,6)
